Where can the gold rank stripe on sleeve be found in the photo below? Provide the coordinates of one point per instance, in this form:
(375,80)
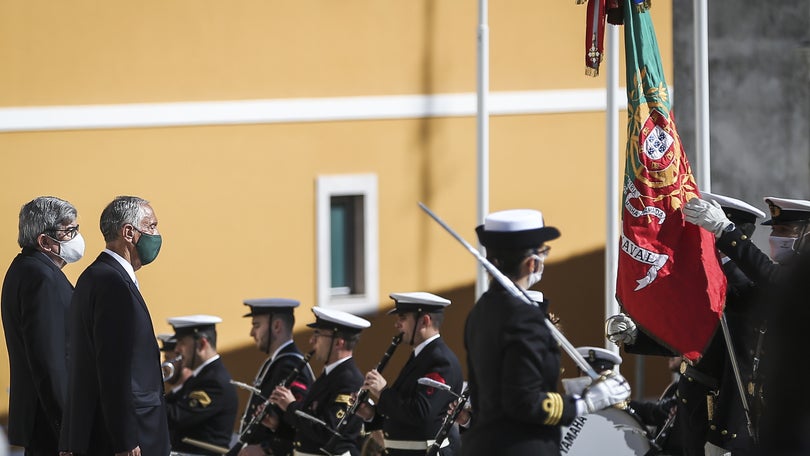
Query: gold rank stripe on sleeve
(553,406)
(199,398)
(344,399)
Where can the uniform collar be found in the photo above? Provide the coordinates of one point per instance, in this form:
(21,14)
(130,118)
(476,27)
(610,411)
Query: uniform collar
(418,349)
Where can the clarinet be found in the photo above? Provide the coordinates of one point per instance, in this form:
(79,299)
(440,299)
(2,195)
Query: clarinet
(255,422)
(449,419)
(362,395)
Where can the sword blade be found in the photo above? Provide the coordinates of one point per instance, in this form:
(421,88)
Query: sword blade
(510,286)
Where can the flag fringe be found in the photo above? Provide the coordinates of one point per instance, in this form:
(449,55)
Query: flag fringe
(581,2)
(592,72)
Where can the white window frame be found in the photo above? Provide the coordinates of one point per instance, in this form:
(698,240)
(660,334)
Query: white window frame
(364,185)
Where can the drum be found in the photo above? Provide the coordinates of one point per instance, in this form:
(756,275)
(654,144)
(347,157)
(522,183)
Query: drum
(610,431)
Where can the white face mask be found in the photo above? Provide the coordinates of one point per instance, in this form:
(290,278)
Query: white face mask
(535,277)
(781,248)
(72,250)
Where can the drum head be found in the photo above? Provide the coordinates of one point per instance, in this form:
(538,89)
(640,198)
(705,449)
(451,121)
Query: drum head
(610,431)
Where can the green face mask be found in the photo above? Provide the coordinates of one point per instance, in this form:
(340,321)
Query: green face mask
(148,247)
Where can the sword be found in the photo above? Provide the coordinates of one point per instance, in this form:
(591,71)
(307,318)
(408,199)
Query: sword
(736,368)
(510,286)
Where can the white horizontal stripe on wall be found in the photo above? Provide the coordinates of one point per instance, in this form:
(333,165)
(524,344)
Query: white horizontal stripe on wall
(146,115)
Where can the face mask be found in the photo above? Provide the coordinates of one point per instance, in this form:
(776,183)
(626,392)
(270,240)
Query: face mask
(72,250)
(781,248)
(148,247)
(535,277)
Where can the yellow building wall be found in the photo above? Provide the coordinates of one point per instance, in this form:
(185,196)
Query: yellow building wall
(236,202)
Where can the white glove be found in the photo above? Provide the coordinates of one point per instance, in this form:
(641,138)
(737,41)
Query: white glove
(709,216)
(621,329)
(603,393)
(576,385)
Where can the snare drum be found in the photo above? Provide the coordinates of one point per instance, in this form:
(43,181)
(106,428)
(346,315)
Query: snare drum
(610,431)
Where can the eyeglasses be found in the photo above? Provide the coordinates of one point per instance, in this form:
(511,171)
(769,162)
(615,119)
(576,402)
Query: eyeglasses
(542,252)
(69,232)
(317,334)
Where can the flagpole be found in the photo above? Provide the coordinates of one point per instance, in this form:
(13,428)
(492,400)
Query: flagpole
(612,176)
(702,151)
(482,133)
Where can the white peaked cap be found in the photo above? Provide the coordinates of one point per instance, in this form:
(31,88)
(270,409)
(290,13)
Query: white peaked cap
(418,301)
(728,202)
(337,320)
(592,354)
(190,321)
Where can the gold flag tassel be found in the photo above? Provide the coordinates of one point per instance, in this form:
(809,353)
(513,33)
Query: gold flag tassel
(643,6)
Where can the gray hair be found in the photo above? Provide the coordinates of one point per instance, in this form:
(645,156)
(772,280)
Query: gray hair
(41,215)
(122,210)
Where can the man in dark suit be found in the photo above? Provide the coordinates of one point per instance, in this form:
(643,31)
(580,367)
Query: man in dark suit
(35,302)
(411,414)
(203,408)
(272,322)
(335,336)
(115,388)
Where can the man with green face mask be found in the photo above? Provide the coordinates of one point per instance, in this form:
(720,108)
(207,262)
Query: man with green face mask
(115,399)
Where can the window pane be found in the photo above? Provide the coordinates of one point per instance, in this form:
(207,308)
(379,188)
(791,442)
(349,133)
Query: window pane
(339,225)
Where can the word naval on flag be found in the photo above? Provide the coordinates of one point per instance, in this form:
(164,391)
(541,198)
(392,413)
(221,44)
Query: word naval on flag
(669,278)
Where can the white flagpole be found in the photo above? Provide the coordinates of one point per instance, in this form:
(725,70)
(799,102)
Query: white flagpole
(612,176)
(702,151)
(482,137)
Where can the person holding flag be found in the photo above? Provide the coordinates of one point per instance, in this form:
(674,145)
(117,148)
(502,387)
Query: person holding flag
(710,409)
(779,381)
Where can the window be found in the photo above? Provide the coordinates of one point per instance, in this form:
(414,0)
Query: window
(347,255)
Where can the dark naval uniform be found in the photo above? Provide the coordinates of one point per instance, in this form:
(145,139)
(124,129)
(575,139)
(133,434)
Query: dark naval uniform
(273,372)
(203,409)
(514,365)
(328,398)
(412,412)
(709,405)
(710,408)
(727,426)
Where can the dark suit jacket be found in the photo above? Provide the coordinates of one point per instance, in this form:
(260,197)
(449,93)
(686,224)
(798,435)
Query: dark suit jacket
(415,412)
(327,400)
(271,374)
(203,409)
(115,386)
(35,303)
(514,364)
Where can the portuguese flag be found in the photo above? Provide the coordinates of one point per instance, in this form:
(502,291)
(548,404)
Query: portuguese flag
(669,278)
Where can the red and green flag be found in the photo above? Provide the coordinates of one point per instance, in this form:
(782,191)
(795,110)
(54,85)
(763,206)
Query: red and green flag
(669,278)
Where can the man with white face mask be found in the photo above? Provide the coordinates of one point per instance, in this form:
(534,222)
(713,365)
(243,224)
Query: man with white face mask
(783,423)
(35,301)
(789,227)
